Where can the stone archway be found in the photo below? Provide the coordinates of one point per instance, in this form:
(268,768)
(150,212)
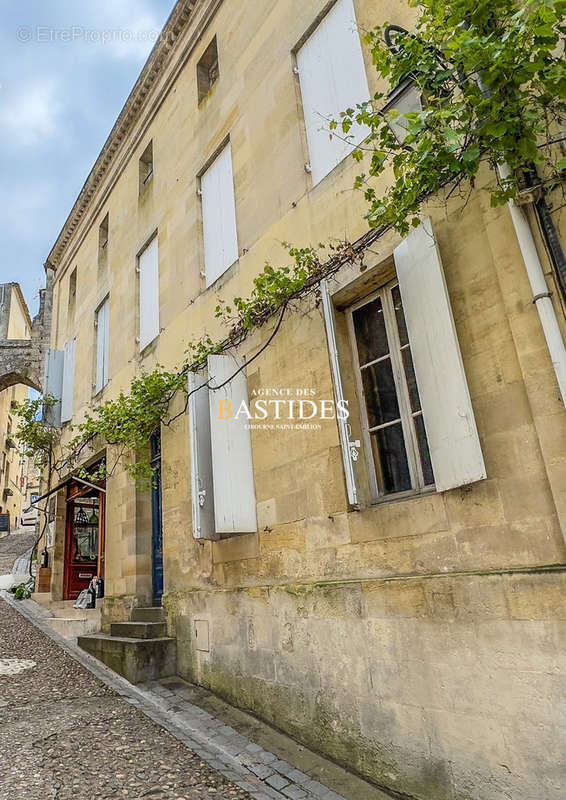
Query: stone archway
(19,363)
(22,360)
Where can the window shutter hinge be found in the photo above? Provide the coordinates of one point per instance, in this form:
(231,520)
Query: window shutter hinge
(138,270)
(354,449)
(308,168)
(295,70)
(199,192)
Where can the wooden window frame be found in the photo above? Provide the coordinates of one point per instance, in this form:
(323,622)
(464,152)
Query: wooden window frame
(401,388)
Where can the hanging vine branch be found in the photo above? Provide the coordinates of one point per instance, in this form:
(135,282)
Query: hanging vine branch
(492,77)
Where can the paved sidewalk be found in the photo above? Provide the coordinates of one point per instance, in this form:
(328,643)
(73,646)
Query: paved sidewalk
(257,761)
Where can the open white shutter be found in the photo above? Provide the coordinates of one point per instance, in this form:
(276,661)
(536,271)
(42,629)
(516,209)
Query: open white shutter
(102,344)
(450,424)
(54,386)
(202,490)
(68,381)
(219,216)
(333,77)
(349,448)
(149,293)
(232,465)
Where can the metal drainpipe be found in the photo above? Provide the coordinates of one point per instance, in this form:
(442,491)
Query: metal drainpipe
(552,241)
(541,294)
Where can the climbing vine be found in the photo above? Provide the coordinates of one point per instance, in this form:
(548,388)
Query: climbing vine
(493,82)
(492,77)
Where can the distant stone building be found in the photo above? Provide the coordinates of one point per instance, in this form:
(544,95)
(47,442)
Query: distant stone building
(15,326)
(390,588)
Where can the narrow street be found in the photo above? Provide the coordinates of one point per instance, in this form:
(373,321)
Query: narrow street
(13,546)
(64,734)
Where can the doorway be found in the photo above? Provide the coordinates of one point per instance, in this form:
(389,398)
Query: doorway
(84,537)
(156,520)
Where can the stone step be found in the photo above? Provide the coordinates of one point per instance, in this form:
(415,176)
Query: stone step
(71,628)
(137,660)
(150,614)
(139,630)
(43,598)
(65,608)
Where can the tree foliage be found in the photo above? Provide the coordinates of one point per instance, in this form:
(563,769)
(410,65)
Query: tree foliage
(493,83)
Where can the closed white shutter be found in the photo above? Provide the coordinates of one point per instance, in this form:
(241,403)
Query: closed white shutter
(202,490)
(102,344)
(349,448)
(68,381)
(232,465)
(333,78)
(149,293)
(450,424)
(54,386)
(219,216)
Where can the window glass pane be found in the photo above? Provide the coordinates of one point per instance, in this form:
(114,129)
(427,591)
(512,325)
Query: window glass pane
(428,474)
(371,336)
(400,316)
(411,379)
(389,451)
(380,394)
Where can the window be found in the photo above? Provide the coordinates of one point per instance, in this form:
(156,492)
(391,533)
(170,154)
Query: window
(391,414)
(148,268)
(207,70)
(72,302)
(102,325)
(332,76)
(146,168)
(219,216)
(103,243)
(417,417)
(222,476)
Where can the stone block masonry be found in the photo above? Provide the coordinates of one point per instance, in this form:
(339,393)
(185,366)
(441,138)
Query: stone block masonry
(22,360)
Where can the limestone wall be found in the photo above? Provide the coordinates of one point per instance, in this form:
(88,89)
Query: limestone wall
(420,642)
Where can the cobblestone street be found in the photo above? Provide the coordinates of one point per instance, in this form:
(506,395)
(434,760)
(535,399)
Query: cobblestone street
(64,734)
(13,546)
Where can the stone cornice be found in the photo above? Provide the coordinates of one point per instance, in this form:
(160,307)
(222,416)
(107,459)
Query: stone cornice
(159,59)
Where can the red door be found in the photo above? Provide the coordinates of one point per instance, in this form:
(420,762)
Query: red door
(84,541)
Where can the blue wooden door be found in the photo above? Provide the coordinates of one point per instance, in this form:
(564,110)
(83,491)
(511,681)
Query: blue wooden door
(156,527)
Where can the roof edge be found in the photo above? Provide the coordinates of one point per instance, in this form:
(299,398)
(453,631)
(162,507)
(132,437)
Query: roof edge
(176,22)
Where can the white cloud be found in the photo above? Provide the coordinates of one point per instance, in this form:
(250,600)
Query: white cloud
(29,114)
(127,30)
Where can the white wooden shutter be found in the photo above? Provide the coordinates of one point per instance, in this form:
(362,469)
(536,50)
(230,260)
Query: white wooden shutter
(349,448)
(450,424)
(102,344)
(232,465)
(202,489)
(219,216)
(54,386)
(68,381)
(149,293)
(333,78)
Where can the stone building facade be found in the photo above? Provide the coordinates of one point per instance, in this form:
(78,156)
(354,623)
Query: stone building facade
(15,337)
(396,605)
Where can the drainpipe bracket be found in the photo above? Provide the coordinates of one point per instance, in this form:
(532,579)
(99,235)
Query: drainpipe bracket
(539,296)
(527,196)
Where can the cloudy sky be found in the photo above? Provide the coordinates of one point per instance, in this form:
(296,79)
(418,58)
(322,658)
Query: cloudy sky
(66,69)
